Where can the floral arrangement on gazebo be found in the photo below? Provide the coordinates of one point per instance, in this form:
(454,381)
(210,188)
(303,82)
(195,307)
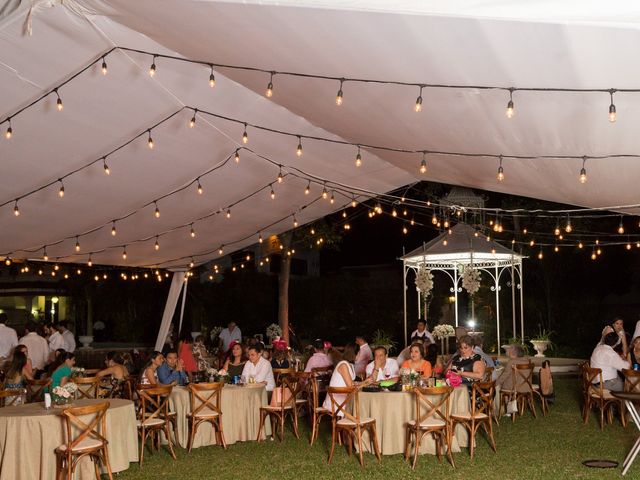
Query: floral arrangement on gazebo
(424,280)
(470,279)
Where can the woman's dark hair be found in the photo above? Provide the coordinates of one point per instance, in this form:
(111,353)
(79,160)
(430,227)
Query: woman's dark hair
(17,364)
(243,355)
(349,353)
(63,357)
(419,346)
(432,354)
(20,348)
(115,356)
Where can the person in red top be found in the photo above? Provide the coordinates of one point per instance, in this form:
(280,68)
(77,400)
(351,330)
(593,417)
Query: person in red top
(185,353)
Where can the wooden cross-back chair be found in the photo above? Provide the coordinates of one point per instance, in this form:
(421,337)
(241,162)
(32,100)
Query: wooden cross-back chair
(488,374)
(84,438)
(432,417)
(12,396)
(349,423)
(303,392)
(205,399)
(280,372)
(521,390)
(482,394)
(317,411)
(286,405)
(36,389)
(87,387)
(153,417)
(631,380)
(598,396)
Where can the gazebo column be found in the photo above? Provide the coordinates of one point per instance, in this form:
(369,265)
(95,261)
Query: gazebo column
(521,302)
(455,292)
(497,278)
(513,298)
(404,290)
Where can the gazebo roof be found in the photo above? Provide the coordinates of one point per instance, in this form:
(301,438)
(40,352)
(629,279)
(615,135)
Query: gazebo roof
(464,245)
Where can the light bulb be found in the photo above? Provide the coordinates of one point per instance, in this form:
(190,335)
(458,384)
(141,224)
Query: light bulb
(157,211)
(229,213)
(308,189)
(583,172)
(45,257)
(540,256)
(192,122)
(89,262)
(394,213)
(77,245)
(237,156)
(423,166)
(280,177)
(621,227)
(593,256)
(199,188)
(113,229)
(7,261)
(192,232)
(418,105)
(156,245)
(260,238)
(612,113)
(107,171)
(434,219)
(500,174)
(580,245)
(152,69)
(272,194)
(295,221)
(124,253)
(358,158)
(191,263)
(59,105)
(269,92)
(325,194)
(212,78)
(220,251)
(16,210)
(299,149)
(104,66)
(9,133)
(61,191)
(354,202)
(510,107)
(404,230)
(556,249)
(445,242)
(150,140)
(628,246)
(532,243)
(332,199)
(245,137)
(339,95)
(568,228)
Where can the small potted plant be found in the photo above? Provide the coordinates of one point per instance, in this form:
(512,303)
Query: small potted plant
(381,339)
(542,341)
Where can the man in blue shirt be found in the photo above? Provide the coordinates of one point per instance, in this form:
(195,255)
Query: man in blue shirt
(172,370)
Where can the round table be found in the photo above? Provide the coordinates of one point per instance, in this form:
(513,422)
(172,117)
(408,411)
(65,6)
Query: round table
(29,434)
(393,410)
(240,415)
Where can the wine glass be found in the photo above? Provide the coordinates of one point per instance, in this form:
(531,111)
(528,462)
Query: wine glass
(387,374)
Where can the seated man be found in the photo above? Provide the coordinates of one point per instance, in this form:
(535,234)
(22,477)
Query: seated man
(382,367)
(319,359)
(258,368)
(605,358)
(172,370)
(515,352)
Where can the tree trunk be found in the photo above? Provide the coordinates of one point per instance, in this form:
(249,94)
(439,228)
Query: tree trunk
(283,288)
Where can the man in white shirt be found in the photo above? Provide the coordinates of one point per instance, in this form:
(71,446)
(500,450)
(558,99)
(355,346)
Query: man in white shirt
(67,336)
(8,337)
(421,332)
(259,368)
(56,341)
(605,358)
(230,334)
(37,346)
(382,367)
(364,355)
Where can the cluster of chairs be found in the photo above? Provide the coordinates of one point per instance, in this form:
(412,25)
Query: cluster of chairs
(524,392)
(595,396)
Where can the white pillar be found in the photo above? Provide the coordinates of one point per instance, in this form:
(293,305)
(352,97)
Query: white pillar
(521,301)
(513,298)
(404,290)
(498,308)
(169,308)
(455,292)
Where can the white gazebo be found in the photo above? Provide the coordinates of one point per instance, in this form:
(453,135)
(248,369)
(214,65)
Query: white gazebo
(462,247)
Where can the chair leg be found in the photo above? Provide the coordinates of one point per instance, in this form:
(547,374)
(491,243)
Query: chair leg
(314,426)
(359,436)
(143,437)
(376,447)
(407,442)
(333,441)
(192,433)
(221,433)
(262,419)
(169,442)
(489,430)
(295,423)
(107,462)
(95,459)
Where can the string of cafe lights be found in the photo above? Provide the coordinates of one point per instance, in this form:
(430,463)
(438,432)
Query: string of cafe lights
(510,111)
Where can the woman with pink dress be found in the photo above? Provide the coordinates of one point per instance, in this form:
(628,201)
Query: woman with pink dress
(185,353)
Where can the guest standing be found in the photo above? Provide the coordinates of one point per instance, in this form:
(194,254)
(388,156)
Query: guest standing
(422,332)
(37,346)
(8,338)
(185,353)
(230,334)
(364,355)
(67,336)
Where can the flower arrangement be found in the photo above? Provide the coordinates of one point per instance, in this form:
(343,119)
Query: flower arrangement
(274,331)
(64,394)
(444,330)
(424,280)
(77,372)
(470,279)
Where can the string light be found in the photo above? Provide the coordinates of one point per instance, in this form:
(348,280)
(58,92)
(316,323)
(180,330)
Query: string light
(299,149)
(423,163)
(260,240)
(269,92)
(113,229)
(192,122)
(339,95)
(199,187)
(295,221)
(593,255)
(325,194)
(418,105)
(152,69)
(16,210)
(510,108)
(280,176)
(150,140)
(9,133)
(61,191)
(583,171)
(89,262)
(157,211)
(104,66)
(354,202)
(245,137)
(59,105)
(612,107)
(621,226)
(229,213)
(157,244)
(124,252)
(358,158)
(221,250)
(192,232)
(307,190)
(580,245)
(405,230)
(212,78)
(237,156)
(77,245)
(191,263)
(332,199)
(45,257)
(272,194)
(540,255)
(568,228)
(107,171)
(500,171)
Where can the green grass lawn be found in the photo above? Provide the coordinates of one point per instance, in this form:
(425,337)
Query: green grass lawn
(544,448)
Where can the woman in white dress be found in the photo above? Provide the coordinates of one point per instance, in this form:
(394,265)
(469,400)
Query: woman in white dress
(150,373)
(343,375)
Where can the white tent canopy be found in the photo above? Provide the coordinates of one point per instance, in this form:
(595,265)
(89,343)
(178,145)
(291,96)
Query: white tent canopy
(521,43)
(462,247)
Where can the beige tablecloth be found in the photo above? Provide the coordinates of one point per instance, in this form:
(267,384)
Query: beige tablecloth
(392,411)
(240,415)
(29,434)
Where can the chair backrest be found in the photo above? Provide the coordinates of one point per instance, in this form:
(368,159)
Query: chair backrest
(429,407)
(154,402)
(488,374)
(14,396)
(482,395)
(546,379)
(96,428)
(278,373)
(592,374)
(323,376)
(304,384)
(631,380)
(205,397)
(287,391)
(87,387)
(36,388)
(522,375)
(341,399)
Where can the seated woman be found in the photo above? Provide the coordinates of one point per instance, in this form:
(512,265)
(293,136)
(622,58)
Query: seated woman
(149,372)
(344,374)
(634,352)
(17,376)
(185,353)
(62,373)
(28,367)
(117,373)
(467,364)
(280,355)
(417,362)
(234,363)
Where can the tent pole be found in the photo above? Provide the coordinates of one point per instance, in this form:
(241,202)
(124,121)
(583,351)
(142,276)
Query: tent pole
(513,298)
(404,283)
(455,292)
(498,308)
(169,308)
(521,301)
(184,296)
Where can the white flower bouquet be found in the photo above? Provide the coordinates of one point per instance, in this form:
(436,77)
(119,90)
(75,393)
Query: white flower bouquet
(215,333)
(444,330)
(424,280)
(64,394)
(77,372)
(274,331)
(471,279)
